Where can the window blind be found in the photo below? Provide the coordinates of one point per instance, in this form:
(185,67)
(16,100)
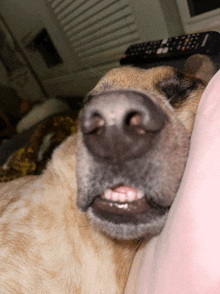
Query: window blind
(98,30)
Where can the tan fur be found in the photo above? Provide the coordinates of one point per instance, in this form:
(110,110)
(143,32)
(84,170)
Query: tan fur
(135,78)
(200,66)
(46,244)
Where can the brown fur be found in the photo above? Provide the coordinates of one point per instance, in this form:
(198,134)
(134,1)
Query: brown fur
(46,244)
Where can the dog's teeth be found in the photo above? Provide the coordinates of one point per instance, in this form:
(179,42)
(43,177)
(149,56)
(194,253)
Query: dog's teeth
(108,194)
(123,206)
(115,196)
(123,196)
(140,194)
(131,196)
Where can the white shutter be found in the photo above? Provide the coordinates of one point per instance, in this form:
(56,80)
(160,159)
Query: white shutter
(99,31)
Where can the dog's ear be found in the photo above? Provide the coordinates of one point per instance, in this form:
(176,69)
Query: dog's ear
(178,87)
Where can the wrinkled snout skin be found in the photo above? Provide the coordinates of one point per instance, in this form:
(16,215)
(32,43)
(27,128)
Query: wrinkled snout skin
(133,135)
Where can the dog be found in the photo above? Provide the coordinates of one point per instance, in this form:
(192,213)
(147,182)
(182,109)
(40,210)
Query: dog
(76,228)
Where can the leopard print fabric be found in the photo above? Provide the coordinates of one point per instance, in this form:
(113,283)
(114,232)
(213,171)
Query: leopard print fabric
(32,159)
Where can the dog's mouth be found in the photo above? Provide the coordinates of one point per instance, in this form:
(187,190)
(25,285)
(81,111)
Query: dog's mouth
(124,202)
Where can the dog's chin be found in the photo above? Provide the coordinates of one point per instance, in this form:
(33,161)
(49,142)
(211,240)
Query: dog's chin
(125,213)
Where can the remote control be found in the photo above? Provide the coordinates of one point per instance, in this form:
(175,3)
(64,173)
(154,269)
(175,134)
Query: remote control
(172,48)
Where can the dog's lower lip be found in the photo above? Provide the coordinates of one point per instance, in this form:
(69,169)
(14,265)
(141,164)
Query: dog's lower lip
(121,208)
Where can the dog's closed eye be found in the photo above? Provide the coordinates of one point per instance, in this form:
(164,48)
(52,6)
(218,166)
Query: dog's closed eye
(178,87)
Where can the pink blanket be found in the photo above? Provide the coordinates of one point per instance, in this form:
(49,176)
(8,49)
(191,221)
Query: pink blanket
(185,257)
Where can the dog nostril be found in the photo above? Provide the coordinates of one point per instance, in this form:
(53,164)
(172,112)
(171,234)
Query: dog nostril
(134,120)
(94,125)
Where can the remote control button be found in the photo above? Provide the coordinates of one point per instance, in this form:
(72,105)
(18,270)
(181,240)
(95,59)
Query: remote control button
(205,40)
(164,41)
(165,50)
(159,50)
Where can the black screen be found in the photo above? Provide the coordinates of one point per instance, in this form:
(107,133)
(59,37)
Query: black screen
(197,7)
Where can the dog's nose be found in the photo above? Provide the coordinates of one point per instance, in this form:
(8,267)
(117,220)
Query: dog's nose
(121,125)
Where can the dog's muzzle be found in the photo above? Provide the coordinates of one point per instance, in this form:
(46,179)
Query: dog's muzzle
(126,171)
(119,126)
